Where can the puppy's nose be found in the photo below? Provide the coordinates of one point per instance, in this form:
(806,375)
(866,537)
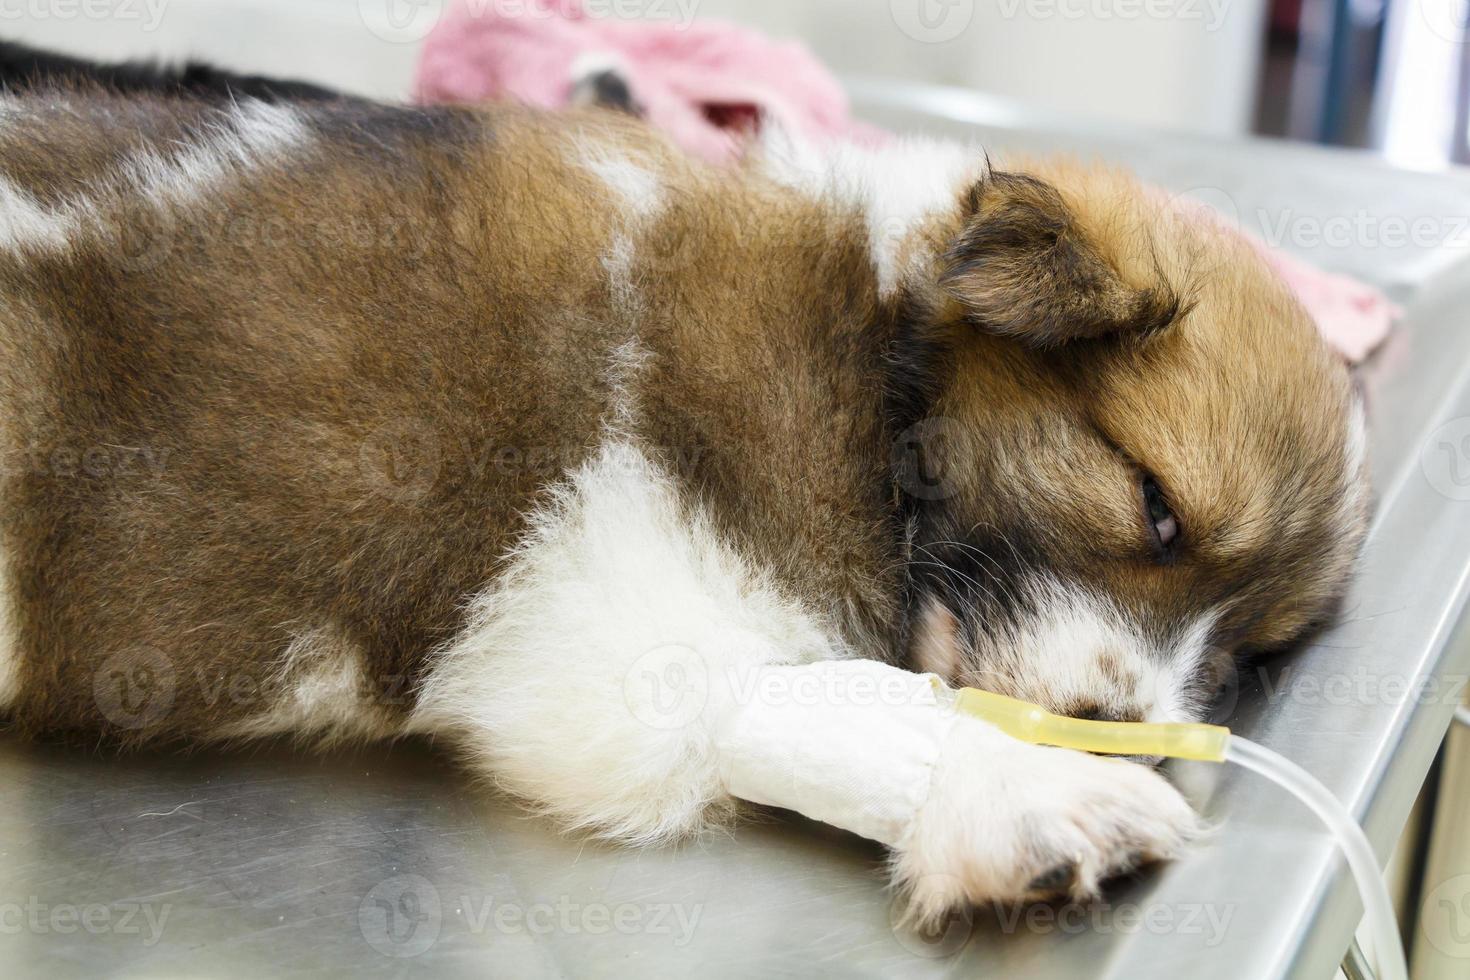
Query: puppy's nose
(1092,711)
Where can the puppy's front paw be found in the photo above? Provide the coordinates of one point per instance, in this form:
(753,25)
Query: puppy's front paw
(1009,822)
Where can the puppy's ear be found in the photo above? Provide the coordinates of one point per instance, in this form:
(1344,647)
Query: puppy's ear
(1023,267)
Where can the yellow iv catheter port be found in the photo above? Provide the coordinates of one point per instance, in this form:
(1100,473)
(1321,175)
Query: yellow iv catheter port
(1029,723)
(1208,743)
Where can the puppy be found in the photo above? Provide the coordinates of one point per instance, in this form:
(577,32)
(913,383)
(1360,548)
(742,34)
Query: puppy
(633,480)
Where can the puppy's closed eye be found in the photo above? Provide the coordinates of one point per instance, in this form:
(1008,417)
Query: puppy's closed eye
(1164,526)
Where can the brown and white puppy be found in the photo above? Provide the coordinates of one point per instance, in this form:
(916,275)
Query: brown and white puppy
(529,433)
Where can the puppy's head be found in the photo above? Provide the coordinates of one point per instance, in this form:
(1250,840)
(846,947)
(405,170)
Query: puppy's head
(1136,461)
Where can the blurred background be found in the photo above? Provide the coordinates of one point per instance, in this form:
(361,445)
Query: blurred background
(1388,75)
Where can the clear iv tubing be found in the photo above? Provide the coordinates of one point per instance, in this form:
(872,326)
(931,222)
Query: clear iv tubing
(1387,950)
(1207,743)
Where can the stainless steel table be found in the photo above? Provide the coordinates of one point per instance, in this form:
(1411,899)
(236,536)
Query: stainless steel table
(382,862)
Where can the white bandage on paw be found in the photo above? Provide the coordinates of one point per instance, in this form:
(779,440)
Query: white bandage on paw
(850,743)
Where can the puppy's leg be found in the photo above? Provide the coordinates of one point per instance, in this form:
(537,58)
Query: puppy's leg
(1006,821)
(972,815)
(593,675)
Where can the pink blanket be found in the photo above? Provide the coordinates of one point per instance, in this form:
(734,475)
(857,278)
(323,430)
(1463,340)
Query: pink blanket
(706,83)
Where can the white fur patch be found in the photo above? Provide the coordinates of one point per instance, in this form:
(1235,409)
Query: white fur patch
(1355,477)
(1357,442)
(635,185)
(9,656)
(640,192)
(13,108)
(618,263)
(252,134)
(595,670)
(324,695)
(26,224)
(249,135)
(1175,697)
(897,188)
(625,363)
(1073,646)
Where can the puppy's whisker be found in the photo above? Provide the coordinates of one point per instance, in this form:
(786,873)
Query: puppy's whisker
(979,588)
(951,572)
(996,575)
